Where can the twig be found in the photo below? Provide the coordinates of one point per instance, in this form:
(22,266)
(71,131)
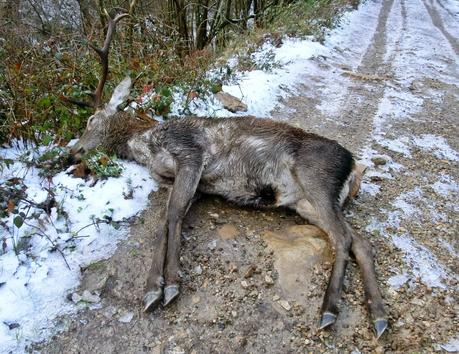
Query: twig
(41,233)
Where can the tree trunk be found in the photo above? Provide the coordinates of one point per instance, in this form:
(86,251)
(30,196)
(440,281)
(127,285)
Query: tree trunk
(201,24)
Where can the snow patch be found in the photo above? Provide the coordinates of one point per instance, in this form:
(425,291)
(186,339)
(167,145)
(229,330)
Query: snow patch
(452,346)
(397,281)
(34,277)
(423,262)
(446,186)
(437,145)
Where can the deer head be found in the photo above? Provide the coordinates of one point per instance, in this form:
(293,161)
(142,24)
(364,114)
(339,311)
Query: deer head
(97,127)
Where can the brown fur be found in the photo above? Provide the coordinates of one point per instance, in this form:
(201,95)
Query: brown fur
(122,127)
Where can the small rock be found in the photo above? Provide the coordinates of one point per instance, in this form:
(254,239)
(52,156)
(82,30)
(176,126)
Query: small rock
(110,311)
(91,298)
(214,215)
(198,270)
(250,271)
(76,298)
(378,160)
(212,245)
(231,103)
(276,297)
(285,305)
(156,350)
(234,314)
(244,284)
(126,318)
(376,179)
(269,280)
(195,299)
(417,302)
(242,341)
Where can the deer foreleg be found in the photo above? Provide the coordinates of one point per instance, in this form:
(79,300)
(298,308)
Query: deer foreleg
(155,281)
(181,198)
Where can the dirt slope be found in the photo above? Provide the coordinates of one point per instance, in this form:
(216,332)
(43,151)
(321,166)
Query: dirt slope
(389,103)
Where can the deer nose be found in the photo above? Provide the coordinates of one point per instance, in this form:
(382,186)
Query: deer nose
(75,155)
(77,151)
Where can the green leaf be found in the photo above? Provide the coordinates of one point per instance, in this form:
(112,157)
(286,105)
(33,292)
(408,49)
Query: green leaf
(18,221)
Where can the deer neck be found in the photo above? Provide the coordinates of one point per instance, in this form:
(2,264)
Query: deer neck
(124,128)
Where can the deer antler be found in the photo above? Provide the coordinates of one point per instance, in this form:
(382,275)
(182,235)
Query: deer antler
(103,55)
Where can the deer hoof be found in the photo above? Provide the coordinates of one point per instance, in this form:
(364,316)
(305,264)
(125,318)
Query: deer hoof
(171,292)
(327,319)
(152,299)
(380,327)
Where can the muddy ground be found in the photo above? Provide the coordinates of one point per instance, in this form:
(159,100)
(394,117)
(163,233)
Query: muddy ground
(253,281)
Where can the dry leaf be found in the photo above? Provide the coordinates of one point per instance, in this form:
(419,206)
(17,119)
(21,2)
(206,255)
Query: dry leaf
(80,171)
(10,206)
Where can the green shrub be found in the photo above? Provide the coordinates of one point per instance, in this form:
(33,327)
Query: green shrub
(102,165)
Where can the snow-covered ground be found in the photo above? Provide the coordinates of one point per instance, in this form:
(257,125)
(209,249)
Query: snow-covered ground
(37,276)
(41,259)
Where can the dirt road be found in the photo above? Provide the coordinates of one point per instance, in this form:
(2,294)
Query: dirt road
(389,92)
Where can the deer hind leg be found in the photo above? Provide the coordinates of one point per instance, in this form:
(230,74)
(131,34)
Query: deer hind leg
(328,217)
(364,257)
(363,254)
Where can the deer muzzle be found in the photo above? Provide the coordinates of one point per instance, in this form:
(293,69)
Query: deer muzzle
(76,154)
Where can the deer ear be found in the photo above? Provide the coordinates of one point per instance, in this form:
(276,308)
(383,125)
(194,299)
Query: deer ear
(119,95)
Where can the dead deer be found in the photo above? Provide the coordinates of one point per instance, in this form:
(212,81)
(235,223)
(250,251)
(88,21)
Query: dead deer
(249,161)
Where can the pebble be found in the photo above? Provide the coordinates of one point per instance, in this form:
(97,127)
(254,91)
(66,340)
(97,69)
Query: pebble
(269,280)
(110,311)
(285,305)
(198,270)
(76,298)
(378,160)
(126,318)
(212,245)
(250,271)
(88,297)
(244,284)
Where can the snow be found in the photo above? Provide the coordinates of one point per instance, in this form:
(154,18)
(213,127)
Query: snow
(397,281)
(446,186)
(36,280)
(290,65)
(451,347)
(437,145)
(410,45)
(423,262)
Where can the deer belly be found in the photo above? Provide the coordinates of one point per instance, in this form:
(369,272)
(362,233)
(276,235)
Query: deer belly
(240,192)
(251,192)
